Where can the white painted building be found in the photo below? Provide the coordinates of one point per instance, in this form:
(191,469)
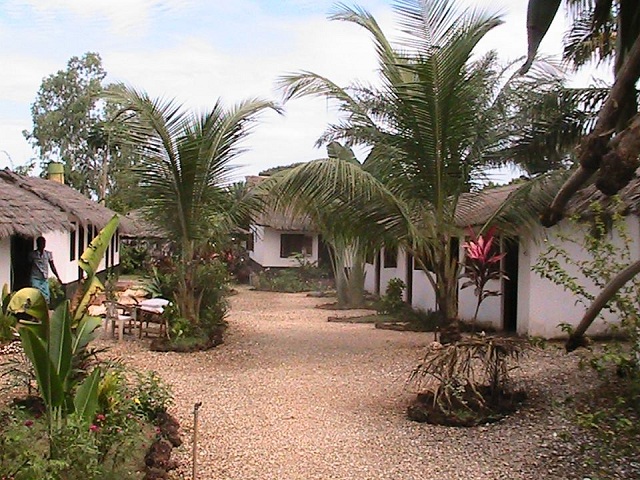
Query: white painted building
(32,207)
(529,304)
(279,239)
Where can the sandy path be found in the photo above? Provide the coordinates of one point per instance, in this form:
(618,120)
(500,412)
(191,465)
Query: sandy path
(291,396)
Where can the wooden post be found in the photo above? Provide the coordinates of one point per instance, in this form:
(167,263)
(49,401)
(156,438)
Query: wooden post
(194,452)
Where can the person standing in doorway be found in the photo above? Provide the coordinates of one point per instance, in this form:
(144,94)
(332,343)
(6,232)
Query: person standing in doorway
(41,260)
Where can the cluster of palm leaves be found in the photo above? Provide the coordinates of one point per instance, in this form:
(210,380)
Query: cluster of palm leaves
(184,176)
(435,121)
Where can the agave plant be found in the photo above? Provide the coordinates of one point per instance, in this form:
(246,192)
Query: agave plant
(482,265)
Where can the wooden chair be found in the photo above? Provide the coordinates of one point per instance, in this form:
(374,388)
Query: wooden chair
(122,316)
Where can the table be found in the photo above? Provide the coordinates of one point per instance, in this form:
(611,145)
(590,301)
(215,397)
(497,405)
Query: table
(150,311)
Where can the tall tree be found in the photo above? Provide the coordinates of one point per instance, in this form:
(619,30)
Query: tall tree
(430,123)
(184,173)
(67,109)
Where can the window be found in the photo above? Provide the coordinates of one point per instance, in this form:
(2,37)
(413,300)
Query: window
(251,241)
(390,257)
(292,243)
(117,237)
(72,242)
(90,233)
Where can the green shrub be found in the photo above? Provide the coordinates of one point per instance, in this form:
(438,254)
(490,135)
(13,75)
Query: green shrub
(133,258)
(423,320)
(151,396)
(291,280)
(99,451)
(392,302)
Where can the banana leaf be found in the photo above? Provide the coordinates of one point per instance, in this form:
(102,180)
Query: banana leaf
(92,256)
(60,341)
(84,333)
(49,383)
(30,301)
(86,400)
(91,287)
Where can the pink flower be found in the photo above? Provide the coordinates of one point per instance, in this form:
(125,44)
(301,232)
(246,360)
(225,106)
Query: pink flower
(28,423)
(100,417)
(94,428)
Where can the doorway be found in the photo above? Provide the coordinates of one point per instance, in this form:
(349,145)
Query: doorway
(510,285)
(21,247)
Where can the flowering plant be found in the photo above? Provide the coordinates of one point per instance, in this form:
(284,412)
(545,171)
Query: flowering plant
(481,265)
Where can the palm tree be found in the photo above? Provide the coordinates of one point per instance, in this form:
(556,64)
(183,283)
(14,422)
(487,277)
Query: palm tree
(429,124)
(185,170)
(348,215)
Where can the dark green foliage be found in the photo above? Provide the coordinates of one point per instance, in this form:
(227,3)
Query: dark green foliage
(292,280)
(209,280)
(392,302)
(133,258)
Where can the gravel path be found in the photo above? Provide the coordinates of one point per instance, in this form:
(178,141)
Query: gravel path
(292,396)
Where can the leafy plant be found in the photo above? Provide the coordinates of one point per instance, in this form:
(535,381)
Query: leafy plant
(392,302)
(56,345)
(482,264)
(7,320)
(133,258)
(57,293)
(151,396)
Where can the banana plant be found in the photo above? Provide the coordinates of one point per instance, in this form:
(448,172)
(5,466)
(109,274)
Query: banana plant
(55,344)
(51,347)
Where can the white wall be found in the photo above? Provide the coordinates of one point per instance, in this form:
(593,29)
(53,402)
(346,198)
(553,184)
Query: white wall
(58,245)
(525,276)
(266,247)
(424,296)
(5,261)
(490,312)
(548,304)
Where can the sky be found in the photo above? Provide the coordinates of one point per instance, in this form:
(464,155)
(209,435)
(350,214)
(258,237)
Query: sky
(197,51)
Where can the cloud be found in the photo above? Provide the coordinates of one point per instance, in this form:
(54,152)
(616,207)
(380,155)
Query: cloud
(123,16)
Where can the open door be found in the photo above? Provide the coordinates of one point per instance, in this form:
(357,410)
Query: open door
(510,286)
(20,266)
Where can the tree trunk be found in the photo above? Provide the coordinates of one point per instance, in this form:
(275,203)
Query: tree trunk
(577,337)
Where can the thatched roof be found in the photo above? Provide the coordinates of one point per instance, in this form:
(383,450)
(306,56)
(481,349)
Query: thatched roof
(277,219)
(285,221)
(142,228)
(46,206)
(629,197)
(24,213)
(477,207)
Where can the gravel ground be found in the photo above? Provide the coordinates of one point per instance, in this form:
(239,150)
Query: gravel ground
(292,396)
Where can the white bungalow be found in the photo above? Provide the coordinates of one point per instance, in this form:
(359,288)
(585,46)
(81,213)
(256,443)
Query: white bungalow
(529,304)
(32,207)
(277,240)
